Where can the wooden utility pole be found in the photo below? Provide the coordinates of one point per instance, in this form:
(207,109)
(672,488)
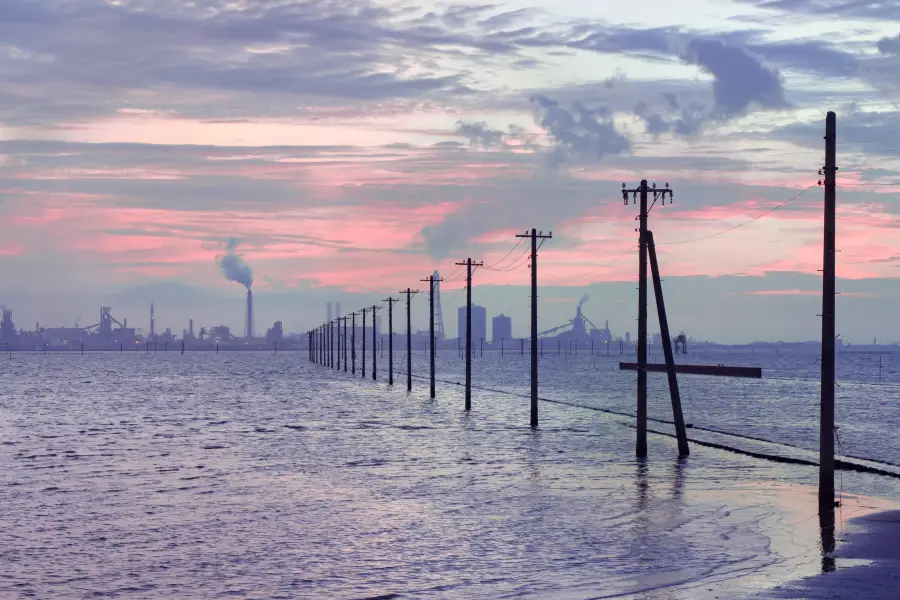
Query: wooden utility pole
(338,347)
(678,416)
(469,264)
(431,281)
(826,424)
(535,236)
(409,294)
(390,302)
(643,191)
(363,361)
(353,344)
(374,342)
(344,321)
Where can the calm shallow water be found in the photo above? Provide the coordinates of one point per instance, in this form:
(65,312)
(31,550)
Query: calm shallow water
(253,475)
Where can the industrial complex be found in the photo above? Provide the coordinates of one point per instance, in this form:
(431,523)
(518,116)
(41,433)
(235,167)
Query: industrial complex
(110,333)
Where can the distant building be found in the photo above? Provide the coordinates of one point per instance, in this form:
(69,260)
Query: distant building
(479,323)
(501,328)
(275,334)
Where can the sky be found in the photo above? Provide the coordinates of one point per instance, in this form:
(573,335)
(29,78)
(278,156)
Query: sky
(345,149)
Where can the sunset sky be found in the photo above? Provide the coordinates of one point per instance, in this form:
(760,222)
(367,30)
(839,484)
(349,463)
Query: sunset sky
(352,147)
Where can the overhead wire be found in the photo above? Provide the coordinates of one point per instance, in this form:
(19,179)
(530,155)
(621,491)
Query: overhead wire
(738,226)
(506,255)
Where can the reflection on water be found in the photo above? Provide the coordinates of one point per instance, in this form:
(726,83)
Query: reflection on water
(826,526)
(261,476)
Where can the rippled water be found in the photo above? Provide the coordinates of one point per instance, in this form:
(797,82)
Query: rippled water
(262,476)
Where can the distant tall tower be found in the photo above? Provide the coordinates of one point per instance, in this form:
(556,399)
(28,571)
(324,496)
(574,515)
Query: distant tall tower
(191,328)
(438,315)
(248,326)
(337,311)
(152,324)
(329,312)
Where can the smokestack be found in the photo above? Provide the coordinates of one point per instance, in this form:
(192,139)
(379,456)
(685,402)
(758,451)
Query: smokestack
(329,312)
(152,323)
(249,325)
(191,327)
(338,315)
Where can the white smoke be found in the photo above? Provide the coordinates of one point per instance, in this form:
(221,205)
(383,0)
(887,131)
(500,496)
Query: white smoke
(584,299)
(233,266)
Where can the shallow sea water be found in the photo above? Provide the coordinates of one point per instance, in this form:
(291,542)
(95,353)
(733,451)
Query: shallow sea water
(255,475)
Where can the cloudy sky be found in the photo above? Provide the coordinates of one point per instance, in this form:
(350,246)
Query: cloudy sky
(354,146)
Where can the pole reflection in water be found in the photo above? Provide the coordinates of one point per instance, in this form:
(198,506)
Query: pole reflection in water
(641,483)
(826,527)
(678,469)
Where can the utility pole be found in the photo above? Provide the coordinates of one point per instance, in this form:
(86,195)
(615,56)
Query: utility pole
(469,264)
(353,344)
(363,362)
(374,333)
(643,191)
(431,281)
(678,416)
(409,294)
(338,347)
(535,236)
(390,302)
(344,321)
(826,423)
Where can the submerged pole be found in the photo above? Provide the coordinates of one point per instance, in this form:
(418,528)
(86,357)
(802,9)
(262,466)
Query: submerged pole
(826,424)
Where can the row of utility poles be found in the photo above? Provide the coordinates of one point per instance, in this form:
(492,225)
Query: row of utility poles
(326,341)
(321,339)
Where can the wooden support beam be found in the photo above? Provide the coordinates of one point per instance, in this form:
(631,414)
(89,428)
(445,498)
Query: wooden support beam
(719,370)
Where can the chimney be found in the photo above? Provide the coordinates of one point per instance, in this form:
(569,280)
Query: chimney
(152,324)
(191,327)
(329,312)
(249,325)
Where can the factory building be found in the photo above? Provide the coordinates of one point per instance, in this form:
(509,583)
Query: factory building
(501,328)
(479,323)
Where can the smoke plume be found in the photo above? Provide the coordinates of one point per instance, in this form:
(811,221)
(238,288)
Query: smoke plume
(233,266)
(584,299)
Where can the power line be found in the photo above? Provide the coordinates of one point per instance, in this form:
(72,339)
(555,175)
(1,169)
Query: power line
(603,266)
(512,266)
(505,256)
(756,218)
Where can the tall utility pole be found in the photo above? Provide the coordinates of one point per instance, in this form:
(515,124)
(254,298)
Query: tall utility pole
(431,280)
(390,302)
(469,264)
(363,362)
(353,344)
(643,191)
(330,327)
(374,342)
(338,347)
(409,294)
(344,321)
(826,423)
(535,236)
